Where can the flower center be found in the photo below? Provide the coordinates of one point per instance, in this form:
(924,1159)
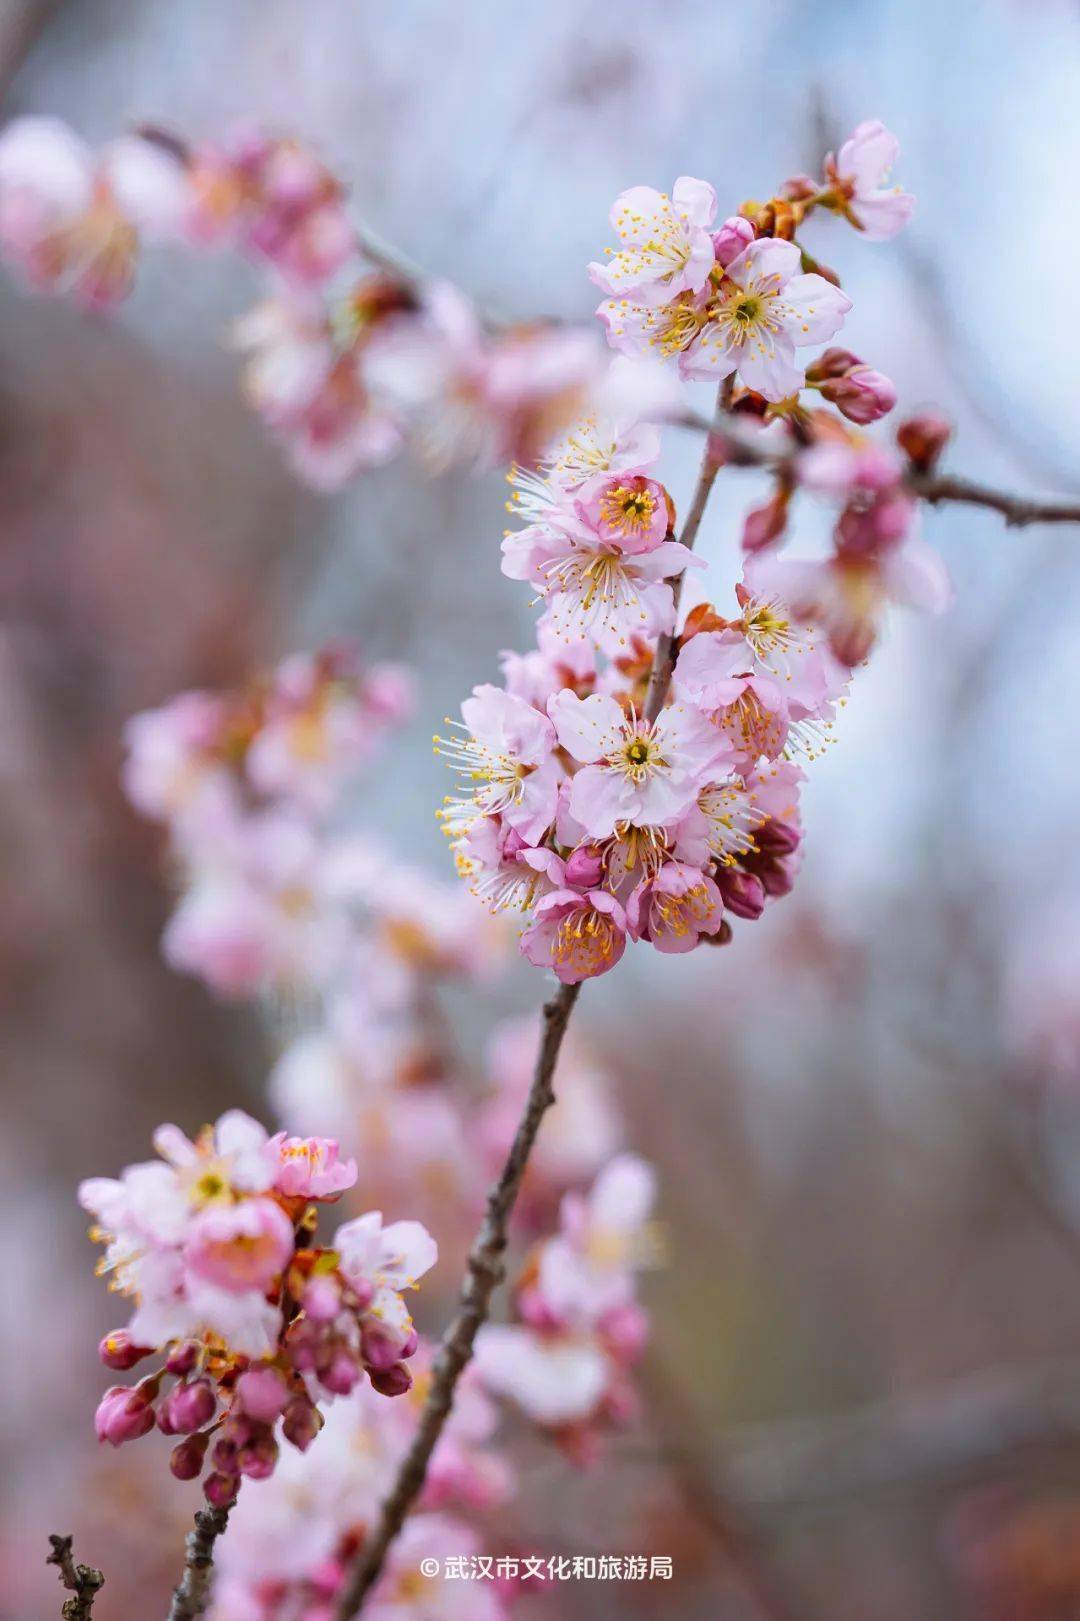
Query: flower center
(628,510)
(585,939)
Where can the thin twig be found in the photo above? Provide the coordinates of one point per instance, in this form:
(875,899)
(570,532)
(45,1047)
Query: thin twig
(81,1580)
(740,450)
(193,1594)
(484,1270)
(668,645)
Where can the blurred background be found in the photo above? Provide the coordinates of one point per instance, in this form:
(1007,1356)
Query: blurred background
(866,1111)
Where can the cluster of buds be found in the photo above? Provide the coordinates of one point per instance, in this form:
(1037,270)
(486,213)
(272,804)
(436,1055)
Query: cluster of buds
(566,1361)
(254,1322)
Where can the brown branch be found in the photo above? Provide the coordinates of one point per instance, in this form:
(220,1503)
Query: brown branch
(1017,510)
(193,1594)
(739,450)
(484,1269)
(81,1580)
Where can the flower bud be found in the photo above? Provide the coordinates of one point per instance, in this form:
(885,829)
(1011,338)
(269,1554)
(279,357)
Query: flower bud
(863,395)
(777,838)
(743,893)
(340,1375)
(258,1458)
(393,1381)
(833,363)
(123,1415)
(766,524)
(922,438)
(220,1490)
(188,1407)
(182,1358)
(380,1348)
(321,1299)
(733,236)
(301,1423)
(186,1459)
(119,1351)
(262,1393)
(585,867)
(626,1331)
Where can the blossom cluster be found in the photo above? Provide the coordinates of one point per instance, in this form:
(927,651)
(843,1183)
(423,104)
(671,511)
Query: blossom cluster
(291,1537)
(255,1322)
(246,783)
(579,1329)
(599,799)
(349,358)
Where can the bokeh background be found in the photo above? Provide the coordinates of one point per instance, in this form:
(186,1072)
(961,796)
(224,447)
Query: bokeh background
(866,1372)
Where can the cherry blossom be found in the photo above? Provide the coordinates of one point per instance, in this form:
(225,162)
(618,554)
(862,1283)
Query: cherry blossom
(859,172)
(667,248)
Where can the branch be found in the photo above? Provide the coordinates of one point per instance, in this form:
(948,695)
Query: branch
(193,1594)
(1017,510)
(740,450)
(82,1580)
(484,1269)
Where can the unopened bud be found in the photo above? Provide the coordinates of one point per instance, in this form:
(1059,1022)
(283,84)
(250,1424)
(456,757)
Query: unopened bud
(186,1459)
(863,395)
(188,1407)
(733,236)
(301,1423)
(220,1490)
(393,1381)
(922,438)
(833,363)
(123,1415)
(262,1393)
(743,893)
(119,1351)
(585,868)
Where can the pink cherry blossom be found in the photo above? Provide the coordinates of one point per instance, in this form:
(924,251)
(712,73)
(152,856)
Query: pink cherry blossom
(626,510)
(859,172)
(506,754)
(578,935)
(311,1167)
(71,222)
(674,908)
(666,245)
(765,309)
(632,771)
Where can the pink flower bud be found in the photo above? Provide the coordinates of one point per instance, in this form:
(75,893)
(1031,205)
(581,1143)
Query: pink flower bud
(188,1407)
(341,1375)
(262,1393)
(380,1348)
(224,1456)
(123,1415)
(863,395)
(119,1351)
(301,1423)
(833,363)
(743,893)
(258,1458)
(186,1460)
(777,838)
(393,1381)
(733,236)
(766,524)
(585,868)
(182,1358)
(220,1490)
(322,1299)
